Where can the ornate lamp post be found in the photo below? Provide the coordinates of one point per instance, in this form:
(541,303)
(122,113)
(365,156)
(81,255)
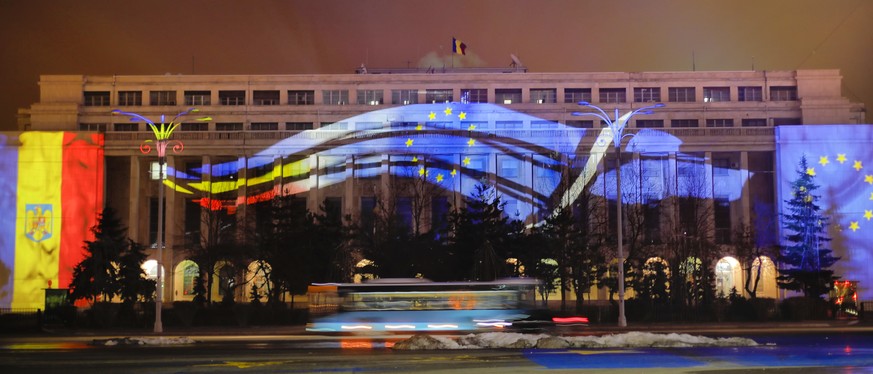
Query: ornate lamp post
(617,126)
(162,132)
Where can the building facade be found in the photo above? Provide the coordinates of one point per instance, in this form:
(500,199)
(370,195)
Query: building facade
(339,139)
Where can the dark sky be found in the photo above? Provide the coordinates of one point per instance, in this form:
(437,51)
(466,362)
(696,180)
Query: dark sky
(105,37)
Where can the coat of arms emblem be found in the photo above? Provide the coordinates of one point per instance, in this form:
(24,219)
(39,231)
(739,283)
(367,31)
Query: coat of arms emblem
(38,221)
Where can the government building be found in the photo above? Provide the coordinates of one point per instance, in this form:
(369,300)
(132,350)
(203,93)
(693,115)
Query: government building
(338,140)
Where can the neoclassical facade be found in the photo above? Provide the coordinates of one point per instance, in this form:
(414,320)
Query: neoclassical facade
(340,138)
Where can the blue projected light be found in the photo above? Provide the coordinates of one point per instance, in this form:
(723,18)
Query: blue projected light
(841,159)
(453,144)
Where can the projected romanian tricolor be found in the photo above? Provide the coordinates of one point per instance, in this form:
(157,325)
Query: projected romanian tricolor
(51,191)
(840,158)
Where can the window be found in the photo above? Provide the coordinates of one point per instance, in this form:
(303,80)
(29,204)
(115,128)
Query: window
(298,126)
(97,98)
(335,97)
(198,98)
(721,166)
(647,94)
(754,122)
(474,95)
(714,94)
(720,122)
(162,98)
(787,121)
(650,123)
(97,127)
(439,213)
(783,93)
(232,97)
(543,124)
(403,125)
(130,98)
(682,94)
(333,207)
(575,95)
(432,96)
(333,126)
(508,125)
(196,126)
(333,164)
(445,125)
(722,213)
(613,95)
(368,125)
(509,167)
(234,126)
(750,93)
(368,213)
(370,97)
(584,124)
(507,96)
(404,97)
(265,126)
(684,123)
(126,127)
(265,97)
(543,95)
(301,97)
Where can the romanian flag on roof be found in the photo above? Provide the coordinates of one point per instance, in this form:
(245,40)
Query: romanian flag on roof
(459,47)
(51,192)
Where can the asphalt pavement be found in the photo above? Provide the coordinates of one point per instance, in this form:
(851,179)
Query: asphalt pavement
(232,333)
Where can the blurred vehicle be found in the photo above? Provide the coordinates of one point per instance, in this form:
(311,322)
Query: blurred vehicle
(544,319)
(419,305)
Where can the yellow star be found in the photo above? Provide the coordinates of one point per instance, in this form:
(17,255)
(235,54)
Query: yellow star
(462,116)
(868,179)
(471,128)
(841,157)
(854,226)
(421,170)
(419,127)
(807,198)
(466,162)
(857,166)
(414,158)
(448,111)
(439,177)
(454,171)
(471,142)
(823,160)
(810,171)
(868,214)
(802,188)
(431,116)
(409,142)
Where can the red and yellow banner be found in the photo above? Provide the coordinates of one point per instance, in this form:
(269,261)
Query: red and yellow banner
(57,196)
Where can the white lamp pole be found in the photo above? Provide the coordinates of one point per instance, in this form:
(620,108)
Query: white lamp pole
(617,126)
(162,132)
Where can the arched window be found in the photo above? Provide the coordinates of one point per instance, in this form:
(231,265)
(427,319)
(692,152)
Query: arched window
(184,278)
(728,276)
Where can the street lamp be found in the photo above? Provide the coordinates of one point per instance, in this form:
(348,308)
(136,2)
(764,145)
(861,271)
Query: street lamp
(162,132)
(617,126)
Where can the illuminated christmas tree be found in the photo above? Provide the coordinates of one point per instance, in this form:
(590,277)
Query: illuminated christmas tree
(805,256)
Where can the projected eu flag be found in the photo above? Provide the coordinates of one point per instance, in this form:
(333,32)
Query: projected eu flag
(840,157)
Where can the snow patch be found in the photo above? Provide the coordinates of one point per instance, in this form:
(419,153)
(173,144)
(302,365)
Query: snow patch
(634,339)
(157,340)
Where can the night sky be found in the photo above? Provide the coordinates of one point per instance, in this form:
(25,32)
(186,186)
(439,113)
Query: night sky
(105,37)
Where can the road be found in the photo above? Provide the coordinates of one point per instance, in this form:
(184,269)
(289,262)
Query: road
(799,349)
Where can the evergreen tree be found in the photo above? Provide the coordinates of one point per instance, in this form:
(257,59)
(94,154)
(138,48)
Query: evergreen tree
(133,282)
(806,258)
(96,276)
(480,236)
